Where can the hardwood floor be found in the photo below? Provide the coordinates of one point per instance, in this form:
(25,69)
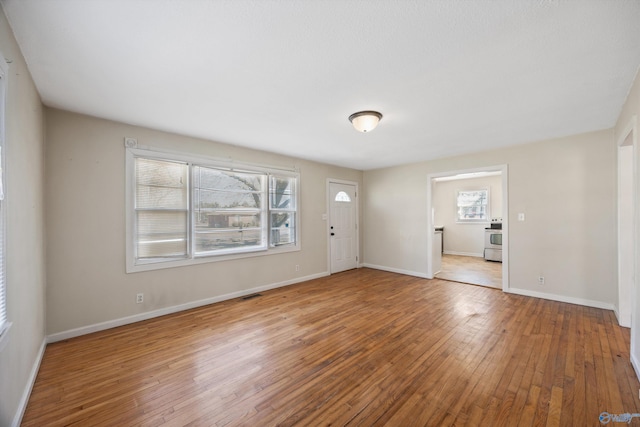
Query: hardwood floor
(360,348)
(474,270)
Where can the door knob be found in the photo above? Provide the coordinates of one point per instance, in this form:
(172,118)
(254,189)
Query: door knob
(333,234)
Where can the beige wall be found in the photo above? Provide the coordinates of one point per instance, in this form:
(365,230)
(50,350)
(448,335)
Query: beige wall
(464,238)
(567,189)
(85,219)
(25,233)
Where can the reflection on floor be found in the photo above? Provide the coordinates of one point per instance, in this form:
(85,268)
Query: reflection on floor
(474,270)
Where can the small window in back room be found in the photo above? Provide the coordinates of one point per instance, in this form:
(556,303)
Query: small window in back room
(472,205)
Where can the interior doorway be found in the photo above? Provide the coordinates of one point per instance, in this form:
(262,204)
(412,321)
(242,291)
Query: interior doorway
(343,226)
(474,234)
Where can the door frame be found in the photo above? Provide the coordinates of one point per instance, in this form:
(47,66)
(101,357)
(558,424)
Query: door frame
(631,131)
(503,169)
(327,218)
(626,151)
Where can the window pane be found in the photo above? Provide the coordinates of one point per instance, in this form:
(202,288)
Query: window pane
(215,179)
(472,198)
(228,210)
(472,205)
(282,193)
(225,238)
(283,229)
(228,220)
(342,197)
(161,209)
(213,200)
(472,212)
(161,234)
(161,184)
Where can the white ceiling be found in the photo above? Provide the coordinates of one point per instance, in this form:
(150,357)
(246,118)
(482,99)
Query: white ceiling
(449,76)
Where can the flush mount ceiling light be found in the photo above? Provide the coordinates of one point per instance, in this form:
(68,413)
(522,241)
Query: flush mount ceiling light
(365,121)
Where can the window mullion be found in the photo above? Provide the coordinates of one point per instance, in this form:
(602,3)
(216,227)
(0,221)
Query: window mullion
(191,205)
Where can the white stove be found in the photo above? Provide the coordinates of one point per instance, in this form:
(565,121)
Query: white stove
(493,244)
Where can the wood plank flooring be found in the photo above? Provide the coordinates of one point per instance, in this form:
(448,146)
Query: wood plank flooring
(468,269)
(359,348)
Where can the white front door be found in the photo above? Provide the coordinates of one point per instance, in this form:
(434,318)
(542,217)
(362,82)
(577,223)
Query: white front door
(342,227)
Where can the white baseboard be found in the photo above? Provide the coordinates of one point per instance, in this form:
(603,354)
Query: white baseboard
(173,309)
(474,254)
(24,400)
(396,270)
(562,298)
(623,320)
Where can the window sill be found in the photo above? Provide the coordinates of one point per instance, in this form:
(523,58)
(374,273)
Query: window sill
(149,266)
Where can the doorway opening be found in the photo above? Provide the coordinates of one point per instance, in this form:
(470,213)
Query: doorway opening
(469,218)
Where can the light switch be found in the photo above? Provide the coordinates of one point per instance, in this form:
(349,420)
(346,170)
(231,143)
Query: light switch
(521,216)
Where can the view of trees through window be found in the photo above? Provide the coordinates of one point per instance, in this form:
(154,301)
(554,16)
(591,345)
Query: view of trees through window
(228,209)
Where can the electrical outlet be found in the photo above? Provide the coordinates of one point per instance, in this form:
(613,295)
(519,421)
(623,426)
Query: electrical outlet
(297,267)
(139,298)
(541,280)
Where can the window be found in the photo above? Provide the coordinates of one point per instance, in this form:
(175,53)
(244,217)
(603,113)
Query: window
(4,323)
(187,209)
(342,197)
(473,205)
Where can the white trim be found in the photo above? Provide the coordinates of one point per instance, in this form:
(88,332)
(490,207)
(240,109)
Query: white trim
(24,399)
(473,254)
(620,321)
(328,221)
(625,316)
(504,171)
(71,333)
(396,270)
(561,298)
(226,162)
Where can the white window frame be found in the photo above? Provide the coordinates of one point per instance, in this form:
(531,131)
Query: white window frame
(5,325)
(473,220)
(133,265)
